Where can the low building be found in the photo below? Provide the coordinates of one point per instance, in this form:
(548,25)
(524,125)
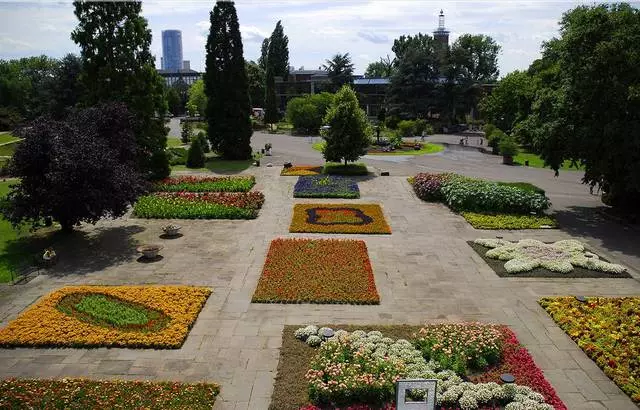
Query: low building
(187,75)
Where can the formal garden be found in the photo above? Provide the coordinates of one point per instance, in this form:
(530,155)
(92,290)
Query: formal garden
(311,286)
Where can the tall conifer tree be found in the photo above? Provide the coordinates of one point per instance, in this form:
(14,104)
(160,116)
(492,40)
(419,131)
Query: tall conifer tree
(226,85)
(114,41)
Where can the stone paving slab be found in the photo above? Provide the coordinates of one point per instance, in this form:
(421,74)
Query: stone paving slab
(424,271)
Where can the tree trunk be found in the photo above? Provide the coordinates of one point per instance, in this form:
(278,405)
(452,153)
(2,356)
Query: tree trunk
(345,162)
(67,227)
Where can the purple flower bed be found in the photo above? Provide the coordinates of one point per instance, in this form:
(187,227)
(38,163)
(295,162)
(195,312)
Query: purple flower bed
(326,186)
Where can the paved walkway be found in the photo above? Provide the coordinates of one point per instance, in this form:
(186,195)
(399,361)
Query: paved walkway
(424,271)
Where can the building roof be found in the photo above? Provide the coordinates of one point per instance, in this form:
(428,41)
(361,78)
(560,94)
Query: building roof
(178,72)
(371,81)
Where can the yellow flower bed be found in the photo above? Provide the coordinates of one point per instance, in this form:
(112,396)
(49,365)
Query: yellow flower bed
(43,324)
(339,218)
(301,170)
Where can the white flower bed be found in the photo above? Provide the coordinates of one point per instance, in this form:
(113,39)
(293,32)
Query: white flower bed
(380,351)
(560,256)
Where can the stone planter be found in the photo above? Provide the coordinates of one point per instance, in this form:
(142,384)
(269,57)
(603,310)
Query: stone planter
(149,251)
(171,230)
(507,159)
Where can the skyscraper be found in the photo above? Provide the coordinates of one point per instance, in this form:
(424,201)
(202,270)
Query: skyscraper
(171,50)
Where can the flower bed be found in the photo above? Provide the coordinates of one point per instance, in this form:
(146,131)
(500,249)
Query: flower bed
(339,218)
(317,271)
(357,368)
(474,195)
(532,258)
(301,170)
(112,394)
(608,331)
(206,205)
(119,316)
(326,186)
(506,221)
(206,184)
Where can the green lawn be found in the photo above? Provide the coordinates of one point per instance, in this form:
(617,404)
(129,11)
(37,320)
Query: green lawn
(7,235)
(216,164)
(174,142)
(429,148)
(7,150)
(536,162)
(7,137)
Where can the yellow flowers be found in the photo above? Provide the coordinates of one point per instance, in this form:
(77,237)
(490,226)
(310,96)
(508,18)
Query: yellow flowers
(44,324)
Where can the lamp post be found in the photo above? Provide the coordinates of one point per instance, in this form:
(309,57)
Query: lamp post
(377,135)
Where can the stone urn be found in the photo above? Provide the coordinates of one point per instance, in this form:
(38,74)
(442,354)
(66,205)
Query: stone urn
(149,251)
(171,230)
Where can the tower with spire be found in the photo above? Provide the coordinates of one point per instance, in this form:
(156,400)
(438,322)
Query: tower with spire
(441,36)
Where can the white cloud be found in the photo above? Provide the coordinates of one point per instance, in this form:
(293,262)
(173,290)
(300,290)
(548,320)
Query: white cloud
(253,34)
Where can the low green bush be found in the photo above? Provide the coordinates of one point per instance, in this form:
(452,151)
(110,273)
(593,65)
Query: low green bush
(334,168)
(406,128)
(152,206)
(462,194)
(508,146)
(524,185)
(177,156)
(195,156)
(506,221)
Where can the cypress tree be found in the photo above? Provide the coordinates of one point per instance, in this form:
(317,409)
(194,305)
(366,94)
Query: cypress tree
(278,56)
(226,86)
(195,155)
(271,109)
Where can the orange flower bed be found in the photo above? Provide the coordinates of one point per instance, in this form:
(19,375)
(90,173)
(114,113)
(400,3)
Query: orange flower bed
(151,317)
(317,271)
(339,218)
(301,171)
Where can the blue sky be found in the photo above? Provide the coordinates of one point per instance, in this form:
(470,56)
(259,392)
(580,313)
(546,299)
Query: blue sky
(316,29)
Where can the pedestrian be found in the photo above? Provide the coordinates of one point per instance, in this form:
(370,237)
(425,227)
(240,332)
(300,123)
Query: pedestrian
(556,174)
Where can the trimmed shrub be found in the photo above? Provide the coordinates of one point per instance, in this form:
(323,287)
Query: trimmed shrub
(203,140)
(508,146)
(428,186)
(334,168)
(420,126)
(406,128)
(187,130)
(177,156)
(195,156)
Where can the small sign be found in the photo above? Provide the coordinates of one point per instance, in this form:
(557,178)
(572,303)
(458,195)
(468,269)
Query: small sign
(403,401)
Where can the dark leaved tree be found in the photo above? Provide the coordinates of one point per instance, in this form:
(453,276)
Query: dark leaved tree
(75,171)
(271,115)
(226,86)
(340,70)
(278,56)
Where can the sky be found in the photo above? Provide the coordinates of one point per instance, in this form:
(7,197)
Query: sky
(317,29)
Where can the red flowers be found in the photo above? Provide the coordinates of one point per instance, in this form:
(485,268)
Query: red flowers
(253,200)
(317,271)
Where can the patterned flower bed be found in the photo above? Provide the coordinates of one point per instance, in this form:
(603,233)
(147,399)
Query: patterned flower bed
(200,205)
(326,186)
(301,170)
(608,330)
(112,394)
(357,368)
(120,316)
(317,271)
(505,221)
(339,218)
(533,258)
(206,184)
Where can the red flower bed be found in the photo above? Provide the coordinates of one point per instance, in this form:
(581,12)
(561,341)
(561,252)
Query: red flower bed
(517,361)
(190,179)
(251,200)
(317,271)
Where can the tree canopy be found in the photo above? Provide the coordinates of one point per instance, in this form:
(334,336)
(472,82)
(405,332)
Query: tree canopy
(278,52)
(256,78)
(384,68)
(226,85)
(340,70)
(197,99)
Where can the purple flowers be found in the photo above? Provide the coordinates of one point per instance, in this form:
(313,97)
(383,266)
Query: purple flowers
(326,186)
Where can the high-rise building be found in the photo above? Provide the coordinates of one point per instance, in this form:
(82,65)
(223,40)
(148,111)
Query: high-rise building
(171,50)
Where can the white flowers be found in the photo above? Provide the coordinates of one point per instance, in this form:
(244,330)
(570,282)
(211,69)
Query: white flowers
(561,256)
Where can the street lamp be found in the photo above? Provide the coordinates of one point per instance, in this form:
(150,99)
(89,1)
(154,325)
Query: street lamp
(377,127)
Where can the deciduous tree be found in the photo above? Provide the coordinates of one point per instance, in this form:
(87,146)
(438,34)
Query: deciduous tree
(75,171)
(340,70)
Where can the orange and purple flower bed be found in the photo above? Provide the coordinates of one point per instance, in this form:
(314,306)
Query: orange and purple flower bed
(317,271)
(301,170)
(339,218)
